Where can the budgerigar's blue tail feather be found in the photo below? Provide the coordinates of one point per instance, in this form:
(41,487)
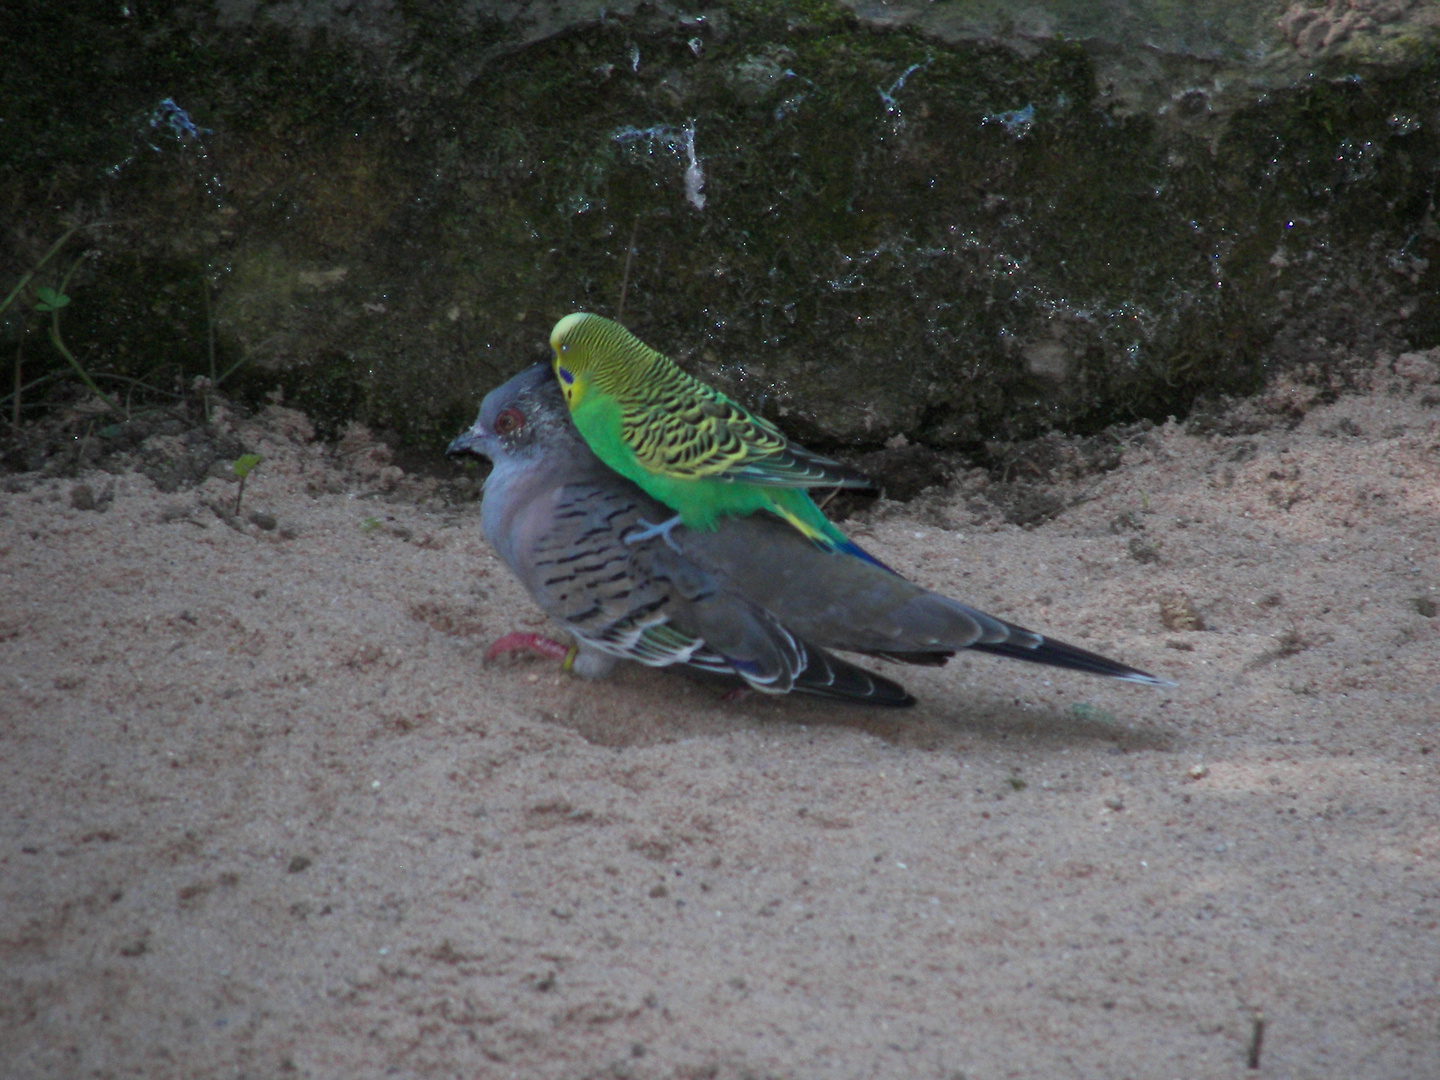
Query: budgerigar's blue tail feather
(810,522)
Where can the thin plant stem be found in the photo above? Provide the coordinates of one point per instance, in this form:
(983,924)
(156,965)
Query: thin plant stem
(59,343)
(1257,1039)
(31,385)
(231,369)
(25,280)
(209,325)
(141,384)
(625,277)
(19,355)
(84,445)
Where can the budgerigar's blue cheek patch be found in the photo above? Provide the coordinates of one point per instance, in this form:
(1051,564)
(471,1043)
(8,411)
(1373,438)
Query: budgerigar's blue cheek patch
(565,376)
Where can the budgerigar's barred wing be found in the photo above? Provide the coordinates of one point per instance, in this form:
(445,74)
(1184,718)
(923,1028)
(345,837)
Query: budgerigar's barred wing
(682,428)
(644,602)
(679,427)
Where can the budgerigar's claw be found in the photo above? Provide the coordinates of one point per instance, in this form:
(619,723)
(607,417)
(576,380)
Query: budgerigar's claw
(649,531)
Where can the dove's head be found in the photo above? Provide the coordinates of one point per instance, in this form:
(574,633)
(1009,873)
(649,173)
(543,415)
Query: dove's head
(518,417)
(594,355)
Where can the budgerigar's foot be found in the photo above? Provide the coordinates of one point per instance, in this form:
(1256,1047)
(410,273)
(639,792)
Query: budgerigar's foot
(536,643)
(649,531)
(735,693)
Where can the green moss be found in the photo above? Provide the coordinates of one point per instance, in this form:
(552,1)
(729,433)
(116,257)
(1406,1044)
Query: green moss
(987,250)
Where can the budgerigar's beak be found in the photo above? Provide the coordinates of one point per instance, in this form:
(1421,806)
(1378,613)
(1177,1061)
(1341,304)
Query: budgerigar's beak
(469,442)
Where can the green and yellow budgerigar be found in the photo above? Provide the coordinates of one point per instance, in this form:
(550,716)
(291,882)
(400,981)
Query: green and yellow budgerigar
(685,444)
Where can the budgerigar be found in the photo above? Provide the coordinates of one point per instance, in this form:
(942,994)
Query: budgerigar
(687,445)
(750,599)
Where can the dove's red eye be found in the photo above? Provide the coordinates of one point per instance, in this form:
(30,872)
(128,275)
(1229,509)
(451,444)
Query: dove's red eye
(509,422)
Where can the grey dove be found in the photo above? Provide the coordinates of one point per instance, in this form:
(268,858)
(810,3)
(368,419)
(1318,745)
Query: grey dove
(753,600)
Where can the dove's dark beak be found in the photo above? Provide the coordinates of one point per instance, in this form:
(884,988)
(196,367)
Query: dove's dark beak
(469,442)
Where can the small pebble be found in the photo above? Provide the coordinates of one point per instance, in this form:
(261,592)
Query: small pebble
(1178,612)
(1142,551)
(83,497)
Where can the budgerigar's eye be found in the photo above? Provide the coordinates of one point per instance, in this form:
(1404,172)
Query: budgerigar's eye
(565,374)
(509,422)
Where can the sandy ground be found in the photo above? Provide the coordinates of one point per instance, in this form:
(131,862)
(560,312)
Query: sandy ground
(266,813)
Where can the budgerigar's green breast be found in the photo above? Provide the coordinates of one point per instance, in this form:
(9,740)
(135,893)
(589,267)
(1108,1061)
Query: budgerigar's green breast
(699,502)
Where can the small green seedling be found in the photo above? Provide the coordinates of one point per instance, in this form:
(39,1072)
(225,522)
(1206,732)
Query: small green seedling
(1083,710)
(243,466)
(370,524)
(48,299)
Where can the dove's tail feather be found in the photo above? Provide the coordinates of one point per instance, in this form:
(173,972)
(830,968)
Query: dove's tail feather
(1058,654)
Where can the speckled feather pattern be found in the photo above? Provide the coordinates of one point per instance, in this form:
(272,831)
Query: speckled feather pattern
(677,426)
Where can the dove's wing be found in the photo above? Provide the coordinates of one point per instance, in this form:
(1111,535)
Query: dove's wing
(646,602)
(844,603)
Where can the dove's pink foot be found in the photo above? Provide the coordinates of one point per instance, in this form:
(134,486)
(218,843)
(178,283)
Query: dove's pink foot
(522,642)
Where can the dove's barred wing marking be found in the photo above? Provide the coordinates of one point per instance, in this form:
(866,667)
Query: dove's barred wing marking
(643,602)
(602,589)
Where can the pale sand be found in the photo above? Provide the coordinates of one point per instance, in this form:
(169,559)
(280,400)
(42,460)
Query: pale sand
(266,813)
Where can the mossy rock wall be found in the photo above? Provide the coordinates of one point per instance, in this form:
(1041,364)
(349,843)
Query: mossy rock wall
(922,220)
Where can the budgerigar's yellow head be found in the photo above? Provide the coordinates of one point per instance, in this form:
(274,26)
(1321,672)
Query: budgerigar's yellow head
(594,354)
